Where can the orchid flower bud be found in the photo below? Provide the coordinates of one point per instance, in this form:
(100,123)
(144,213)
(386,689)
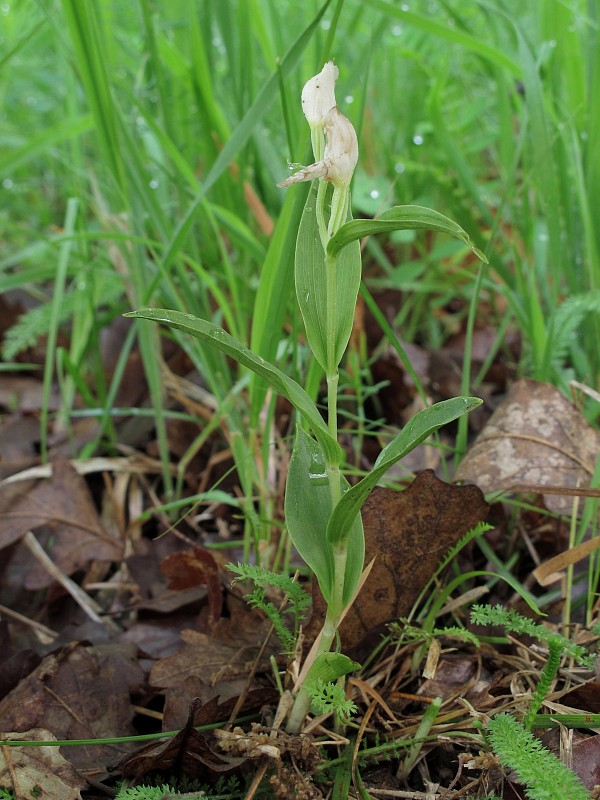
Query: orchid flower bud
(318,95)
(341,154)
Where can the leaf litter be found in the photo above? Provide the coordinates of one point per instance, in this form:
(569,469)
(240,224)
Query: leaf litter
(170,629)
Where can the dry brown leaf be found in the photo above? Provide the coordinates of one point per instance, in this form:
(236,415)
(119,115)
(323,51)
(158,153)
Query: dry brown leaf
(207,657)
(188,753)
(79,693)
(192,568)
(535,437)
(62,503)
(221,661)
(553,570)
(407,533)
(586,761)
(38,771)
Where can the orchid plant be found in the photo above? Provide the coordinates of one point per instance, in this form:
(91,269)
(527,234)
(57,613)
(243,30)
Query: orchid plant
(322,510)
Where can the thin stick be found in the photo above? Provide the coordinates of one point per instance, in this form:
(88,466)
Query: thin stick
(87,603)
(47,635)
(256,781)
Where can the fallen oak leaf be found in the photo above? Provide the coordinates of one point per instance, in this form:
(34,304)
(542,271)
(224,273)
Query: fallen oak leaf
(407,533)
(80,693)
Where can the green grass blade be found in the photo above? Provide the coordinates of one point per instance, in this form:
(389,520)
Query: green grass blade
(274,290)
(222,341)
(61,132)
(242,133)
(59,288)
(448,34)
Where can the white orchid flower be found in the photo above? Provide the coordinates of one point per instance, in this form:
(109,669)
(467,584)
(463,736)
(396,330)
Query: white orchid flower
(336,157)
(340,157)
(318,95)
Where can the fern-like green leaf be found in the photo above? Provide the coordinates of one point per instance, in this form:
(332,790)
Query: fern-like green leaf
(555,651)
(145,792)
(328,697)
(545,777)
(456,632)
(263,578)
(257,599)
(565,321)
(513,622)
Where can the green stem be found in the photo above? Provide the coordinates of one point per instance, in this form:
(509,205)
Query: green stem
(302,701)
(332,367)
(339,211)
(340,202)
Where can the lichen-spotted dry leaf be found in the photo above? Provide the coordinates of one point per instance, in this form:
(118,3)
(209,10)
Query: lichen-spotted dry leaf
(38,771)
(407,533)
(536,437)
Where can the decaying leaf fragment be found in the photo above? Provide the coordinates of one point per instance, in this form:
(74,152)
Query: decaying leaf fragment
(535,438)
(38,771)
(62,505)
(81,693)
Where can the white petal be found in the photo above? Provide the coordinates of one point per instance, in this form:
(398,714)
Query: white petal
(341,149)
(318,94)
(318,170)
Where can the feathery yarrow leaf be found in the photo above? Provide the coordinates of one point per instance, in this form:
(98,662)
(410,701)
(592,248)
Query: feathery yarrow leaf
(545,777)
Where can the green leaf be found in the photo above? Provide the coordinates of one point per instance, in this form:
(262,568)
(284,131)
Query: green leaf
(400,218)
(414,432)
(328,667)
(221,340)
(311,285)
(545,776)
(308,507)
